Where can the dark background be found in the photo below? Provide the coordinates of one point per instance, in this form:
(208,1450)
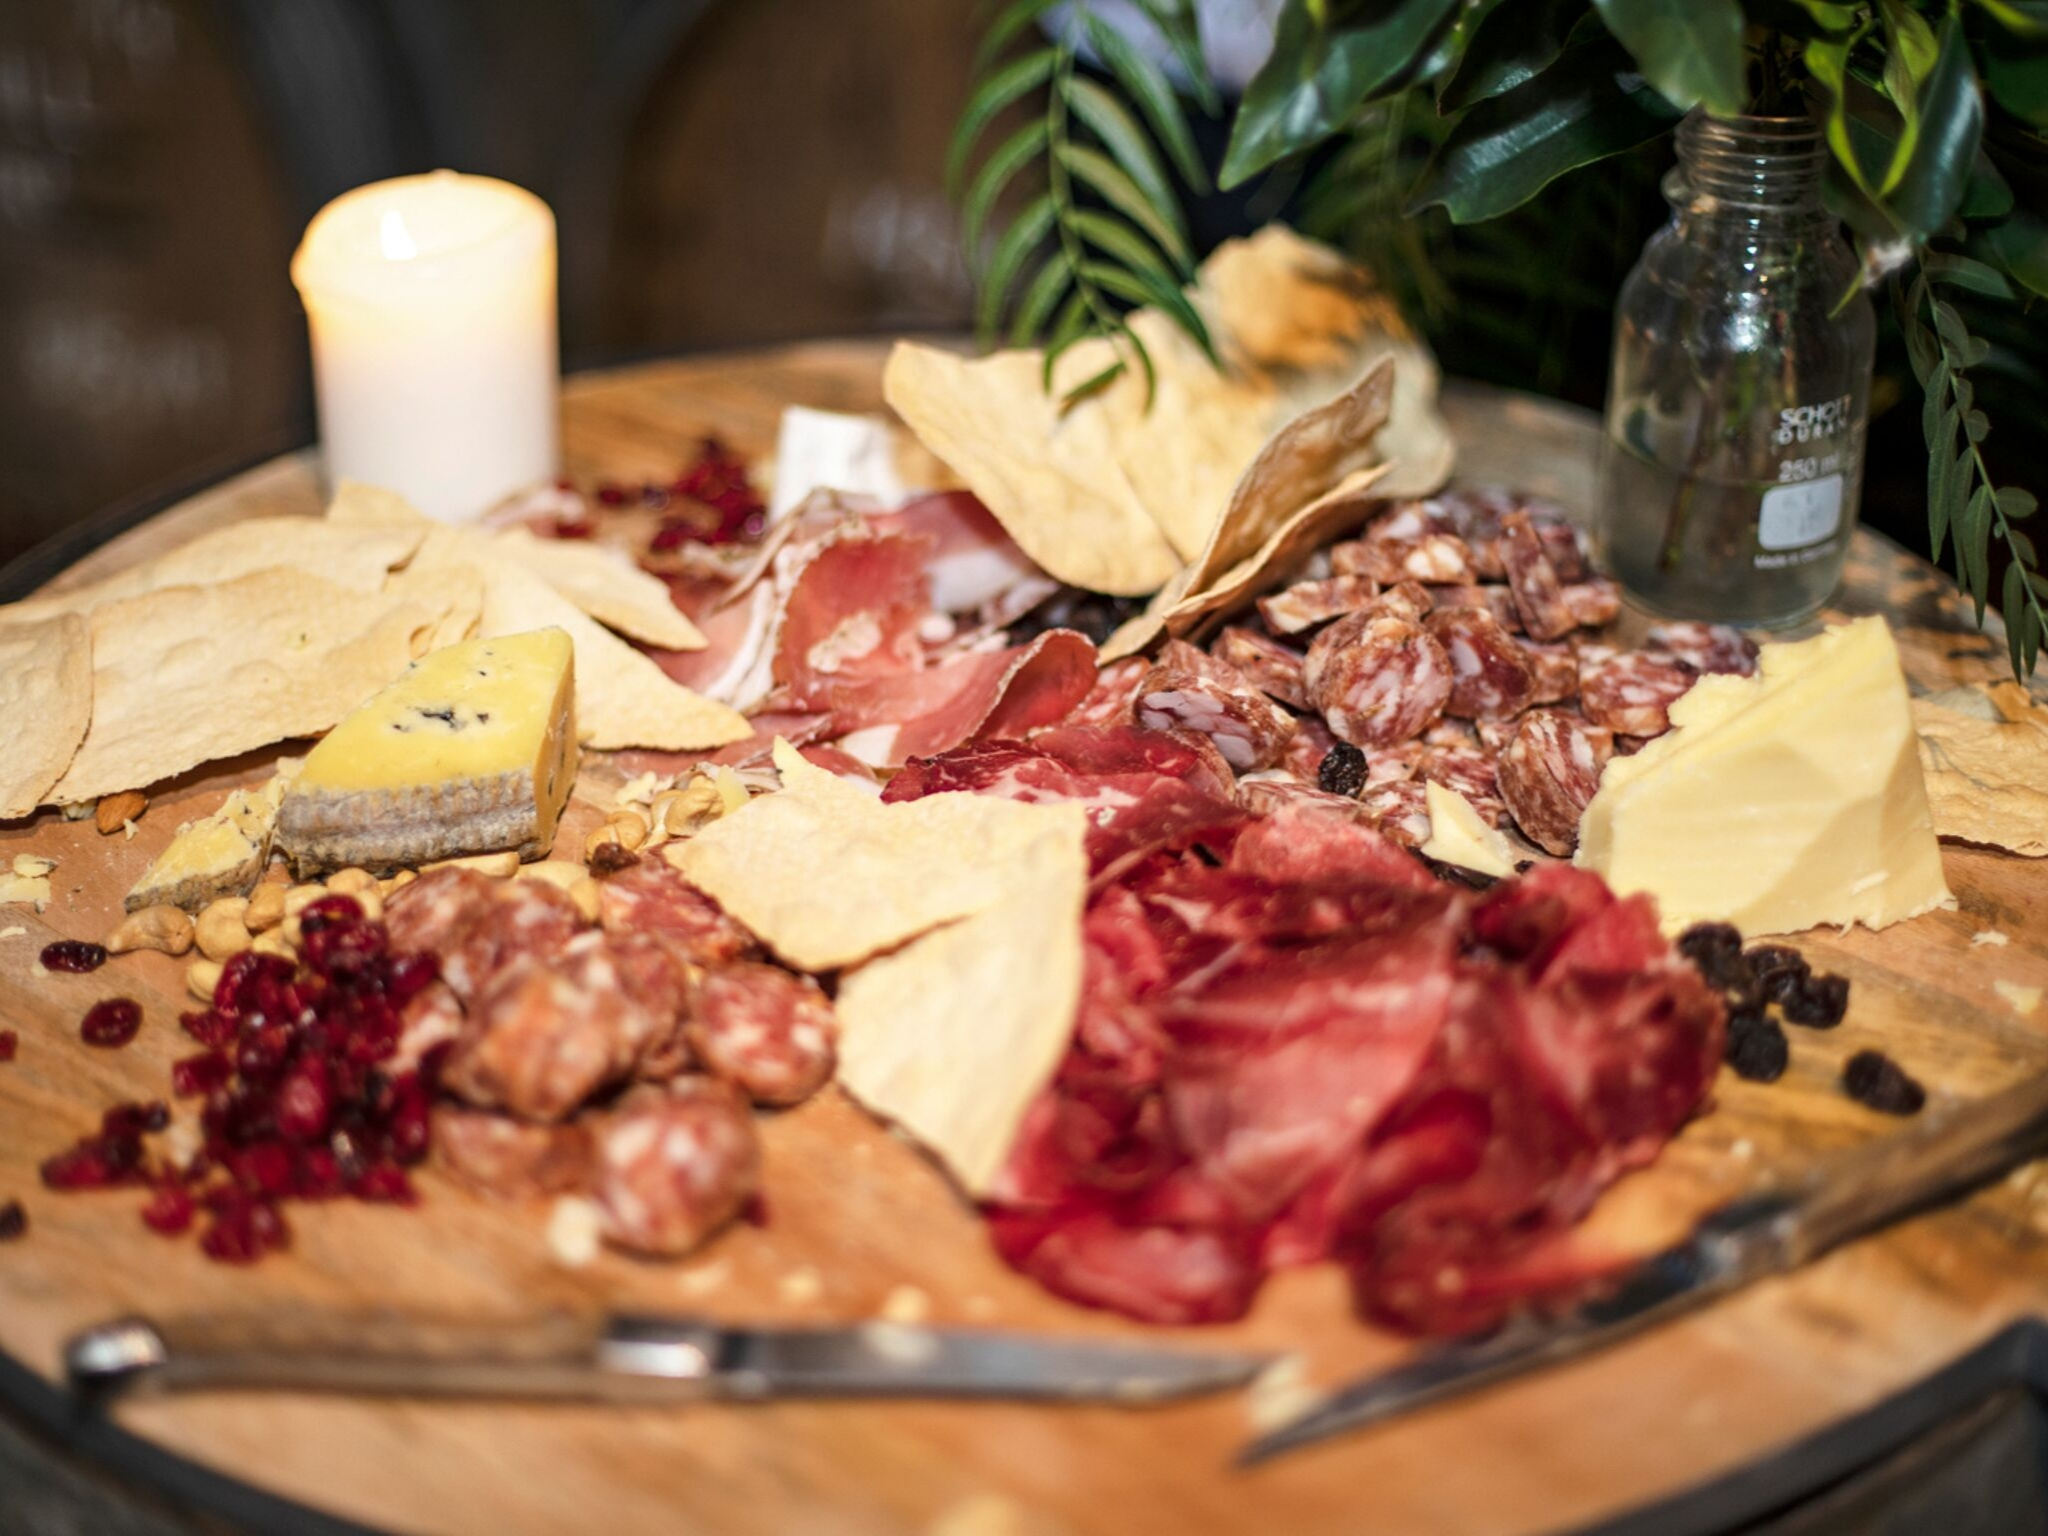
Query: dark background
(724,172)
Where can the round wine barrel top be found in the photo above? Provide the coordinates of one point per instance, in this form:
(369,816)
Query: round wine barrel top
(1698,1425)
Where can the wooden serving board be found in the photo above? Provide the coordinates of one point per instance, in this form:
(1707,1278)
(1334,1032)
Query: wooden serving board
(855,1214)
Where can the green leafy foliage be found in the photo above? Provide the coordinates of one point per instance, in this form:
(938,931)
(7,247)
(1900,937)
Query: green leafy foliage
(1689,50)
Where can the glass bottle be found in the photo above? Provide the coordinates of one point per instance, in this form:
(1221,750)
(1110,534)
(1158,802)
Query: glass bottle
(1740,390)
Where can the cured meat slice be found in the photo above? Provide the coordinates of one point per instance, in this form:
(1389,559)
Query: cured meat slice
(1491,675)
(1406,521)
(770,1034)
(1112,698)
(1534,580)
(1274,667)
(1378,680)
(1102,766)
(1632,694)
(512,1159)
(675,1164)
(1157,1274)
(1300,608)
(1305,753)
(1441,558)
(1707,647)
(656,976)
(1408,600)
(1196,692)
(1561,543)
(1553,671)
(853,613)
(648,897)
(1305,839)
(431,913)
(1472,772)
(1399,810)
(1548,774)
(519,920)
(1498,601)
(1593,602)
(1270,797)
(972,563)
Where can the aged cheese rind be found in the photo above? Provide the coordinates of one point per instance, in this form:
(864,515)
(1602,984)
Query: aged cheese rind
(219,855)
(1778,802)
(472,750)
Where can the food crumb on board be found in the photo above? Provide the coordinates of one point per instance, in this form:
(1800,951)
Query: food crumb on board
(2022,1000)
(906,1304)
(801,1286)
(1988,936)
(12,931)
(1743,1150)
(572,1231)
(705,1278)
(985,1514)
(1281,1393)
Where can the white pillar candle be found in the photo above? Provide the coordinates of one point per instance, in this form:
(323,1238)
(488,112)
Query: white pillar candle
(431,302)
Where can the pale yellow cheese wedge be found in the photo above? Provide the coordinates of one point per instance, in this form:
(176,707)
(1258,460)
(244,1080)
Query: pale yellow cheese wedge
(1459,835)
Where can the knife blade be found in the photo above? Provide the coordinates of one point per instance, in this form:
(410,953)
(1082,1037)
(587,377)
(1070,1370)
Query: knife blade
(1946,1153)
(629,1359)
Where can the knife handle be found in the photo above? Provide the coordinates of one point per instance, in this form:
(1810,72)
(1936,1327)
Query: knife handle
(1948,1152)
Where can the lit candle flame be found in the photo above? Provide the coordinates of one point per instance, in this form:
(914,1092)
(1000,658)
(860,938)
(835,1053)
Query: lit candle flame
(395,238)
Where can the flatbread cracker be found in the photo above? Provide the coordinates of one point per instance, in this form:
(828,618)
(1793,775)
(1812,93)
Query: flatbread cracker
(827,875)
(185,675)
(45,705)
(606,584)
(1050,474)
(1985,757)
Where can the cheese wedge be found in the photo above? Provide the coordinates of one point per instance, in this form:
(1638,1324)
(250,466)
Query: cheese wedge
(1459,835)
(218,855)
(1778,802)
(471,750)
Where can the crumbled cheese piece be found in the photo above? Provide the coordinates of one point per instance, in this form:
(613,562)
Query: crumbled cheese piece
(1988,936)
(705,1278)
(1281,1393)
(78,810)
(640,789)
(13,931)
(573,1231)
(2022,1000)
(1743,1150)
(906,1304)
(183,1141)
(25,890)
(802,1286)
(32,867)
(128,828)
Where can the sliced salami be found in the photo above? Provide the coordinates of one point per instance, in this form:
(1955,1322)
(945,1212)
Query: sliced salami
(1409,520)
(1114,696)
(770,1034)
(649,897)
(1592,602)
(1491,675)
(1192,691)
(1498,601)
(1399,811)
(1377,680)
(1441,558)
(674,1165)
(1274,667)
(1408,600)
(521,920)
(1707,647)
(1472,772)
(1548,775)
(512,1159)
(1561,543)
(1300,608)
(1632,694)
(1534,580)
(1312,742)
(1554,671)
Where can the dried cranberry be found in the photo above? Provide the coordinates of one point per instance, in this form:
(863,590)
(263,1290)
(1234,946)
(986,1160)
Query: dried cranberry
(1342,770)
(13,1221)
(384,1182)
(169,1211)
(1818,1002)
(94,1163)
(340,948)
(252,984)
(261,1053)
(111,1023)
(1756,1049)
(610,495)
(408,975)
(9,1043)
(305,1101)
(265,1167)
(317,1175)
(126,1121)
(1877,1082)
(208,1027)
(74,955)
(195,1075)
(242,1231)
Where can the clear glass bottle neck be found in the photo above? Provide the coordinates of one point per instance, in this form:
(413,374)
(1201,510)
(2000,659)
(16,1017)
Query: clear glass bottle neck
(1752,169)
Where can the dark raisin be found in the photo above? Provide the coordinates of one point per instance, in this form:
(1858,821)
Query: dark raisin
(1716,949)
(111,1023)
(610,858)
(13,1221)
(1818,1002)
(1756,1047)
(1091,613)
(1877,1082)
(1770,961)
(1342,770)
(73,955)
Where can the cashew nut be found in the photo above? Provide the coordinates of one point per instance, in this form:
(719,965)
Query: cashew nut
(398,882)
(562,872)
(351,882)
(201,977)
(276,942)
(162,928)
(266,908)
(499,866)
(584,893)
(222,930)
(299,897)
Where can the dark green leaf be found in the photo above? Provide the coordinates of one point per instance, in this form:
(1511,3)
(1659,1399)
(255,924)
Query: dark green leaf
(1690,50)
(1134,288)
(1976,539)
(1827,61)
(1040,295)
(1121,243)
(2020,246)
(1987,195)
(1949,322)
(1803,19)
(1179,22)
(1958,482)
(1975,351)
(1921,349)
(2039,583)
(2027,17)
(1131,149)
(2015,504)
(1588,105)
(1010,157)
(1001,89)
(2013,606)
(1124,194)
(1941,460)
(2023,543)
(1965,272)
(2030,642)
(2016,74)
(1909,58)
(1094,384)
(1130,339)
(1009,24)
(1321,72)
(1011,252)
(1070,327)
(1146,84)
(1952,122)
(1976,426)
(1512,43)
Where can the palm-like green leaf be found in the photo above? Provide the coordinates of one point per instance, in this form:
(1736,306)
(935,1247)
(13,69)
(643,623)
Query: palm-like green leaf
(1010,157)
(1040,297)
(1133,151)
(1690,50)
(1006,263)
(1001,89)
(1110,180)
(1147,85)
(1009,25)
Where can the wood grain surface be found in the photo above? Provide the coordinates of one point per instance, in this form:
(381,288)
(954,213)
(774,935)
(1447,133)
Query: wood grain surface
(856,1214)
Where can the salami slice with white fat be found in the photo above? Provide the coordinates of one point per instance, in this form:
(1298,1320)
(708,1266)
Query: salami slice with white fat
(1429,557)
(1300,608)
(1553,670)
(1399,811)
(1498,601)
(1548,775)
(1274,667)
(770,1034)
(1491,675)
(1190,690)
(512,1159)
(650,897)
(1533,579)
(1707,647)
(1632,694)
(1378,680)
(674,1164)
(1592,602)
(1114,696)
(1561,543)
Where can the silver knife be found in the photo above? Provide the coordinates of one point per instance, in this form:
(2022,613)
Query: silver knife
(1944,1154)
(630,1360)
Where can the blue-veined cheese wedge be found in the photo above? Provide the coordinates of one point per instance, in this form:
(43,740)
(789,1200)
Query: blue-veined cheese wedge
(219,855)
(471,750)
(1781,801)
